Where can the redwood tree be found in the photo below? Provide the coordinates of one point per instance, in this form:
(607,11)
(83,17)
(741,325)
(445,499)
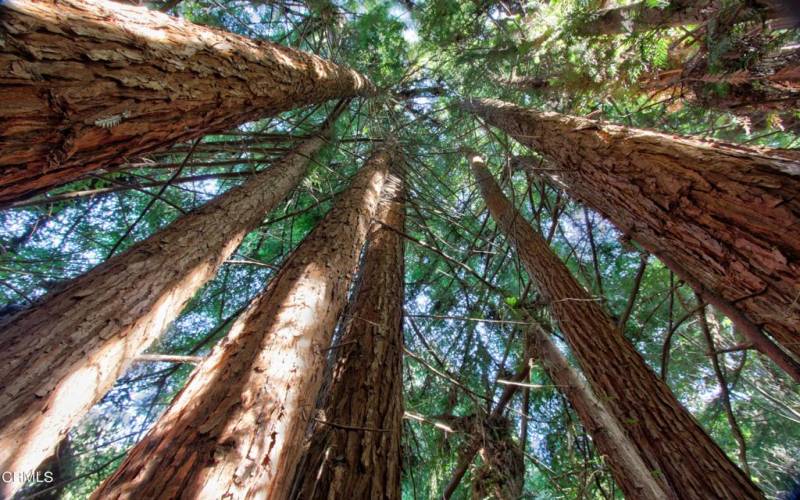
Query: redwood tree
(355,446)
(86,84)
(62,354)
(642,16)
(237,427)
(608,435)
(670,441)
(723,217)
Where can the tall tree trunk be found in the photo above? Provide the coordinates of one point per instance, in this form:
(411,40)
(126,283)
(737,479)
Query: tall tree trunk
(669,440)
(501,473)
(769,84)
(61,355)
(88,83)
(724,218)
(630,471)
(237,428)
(355,447)
(642,16)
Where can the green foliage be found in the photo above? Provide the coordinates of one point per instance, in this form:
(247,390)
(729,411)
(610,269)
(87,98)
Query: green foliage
(465,288)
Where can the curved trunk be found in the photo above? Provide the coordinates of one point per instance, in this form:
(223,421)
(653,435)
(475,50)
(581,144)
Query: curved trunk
(355,447)
(88,83)
(237,427)
(669,440)
(63,354)
(725,218)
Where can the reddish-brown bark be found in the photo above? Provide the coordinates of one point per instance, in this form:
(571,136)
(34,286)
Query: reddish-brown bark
(620,453)
(236,429)
(356,451)
(671,443)
(61,355)
(723,217)
(87,83)
(766,91)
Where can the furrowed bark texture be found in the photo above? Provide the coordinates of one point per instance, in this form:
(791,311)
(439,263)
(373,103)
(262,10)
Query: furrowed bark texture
(63,354)
(356,451)
(672,444)
(88,83)
(728,216)
(764,94)
(236,430)
(629,470)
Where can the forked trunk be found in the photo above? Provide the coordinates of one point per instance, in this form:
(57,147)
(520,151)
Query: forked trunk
(671,443)
(63,354)
(724,218)
(501,472)
(86,84)
(472,446)
(237,428)
(355,447)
